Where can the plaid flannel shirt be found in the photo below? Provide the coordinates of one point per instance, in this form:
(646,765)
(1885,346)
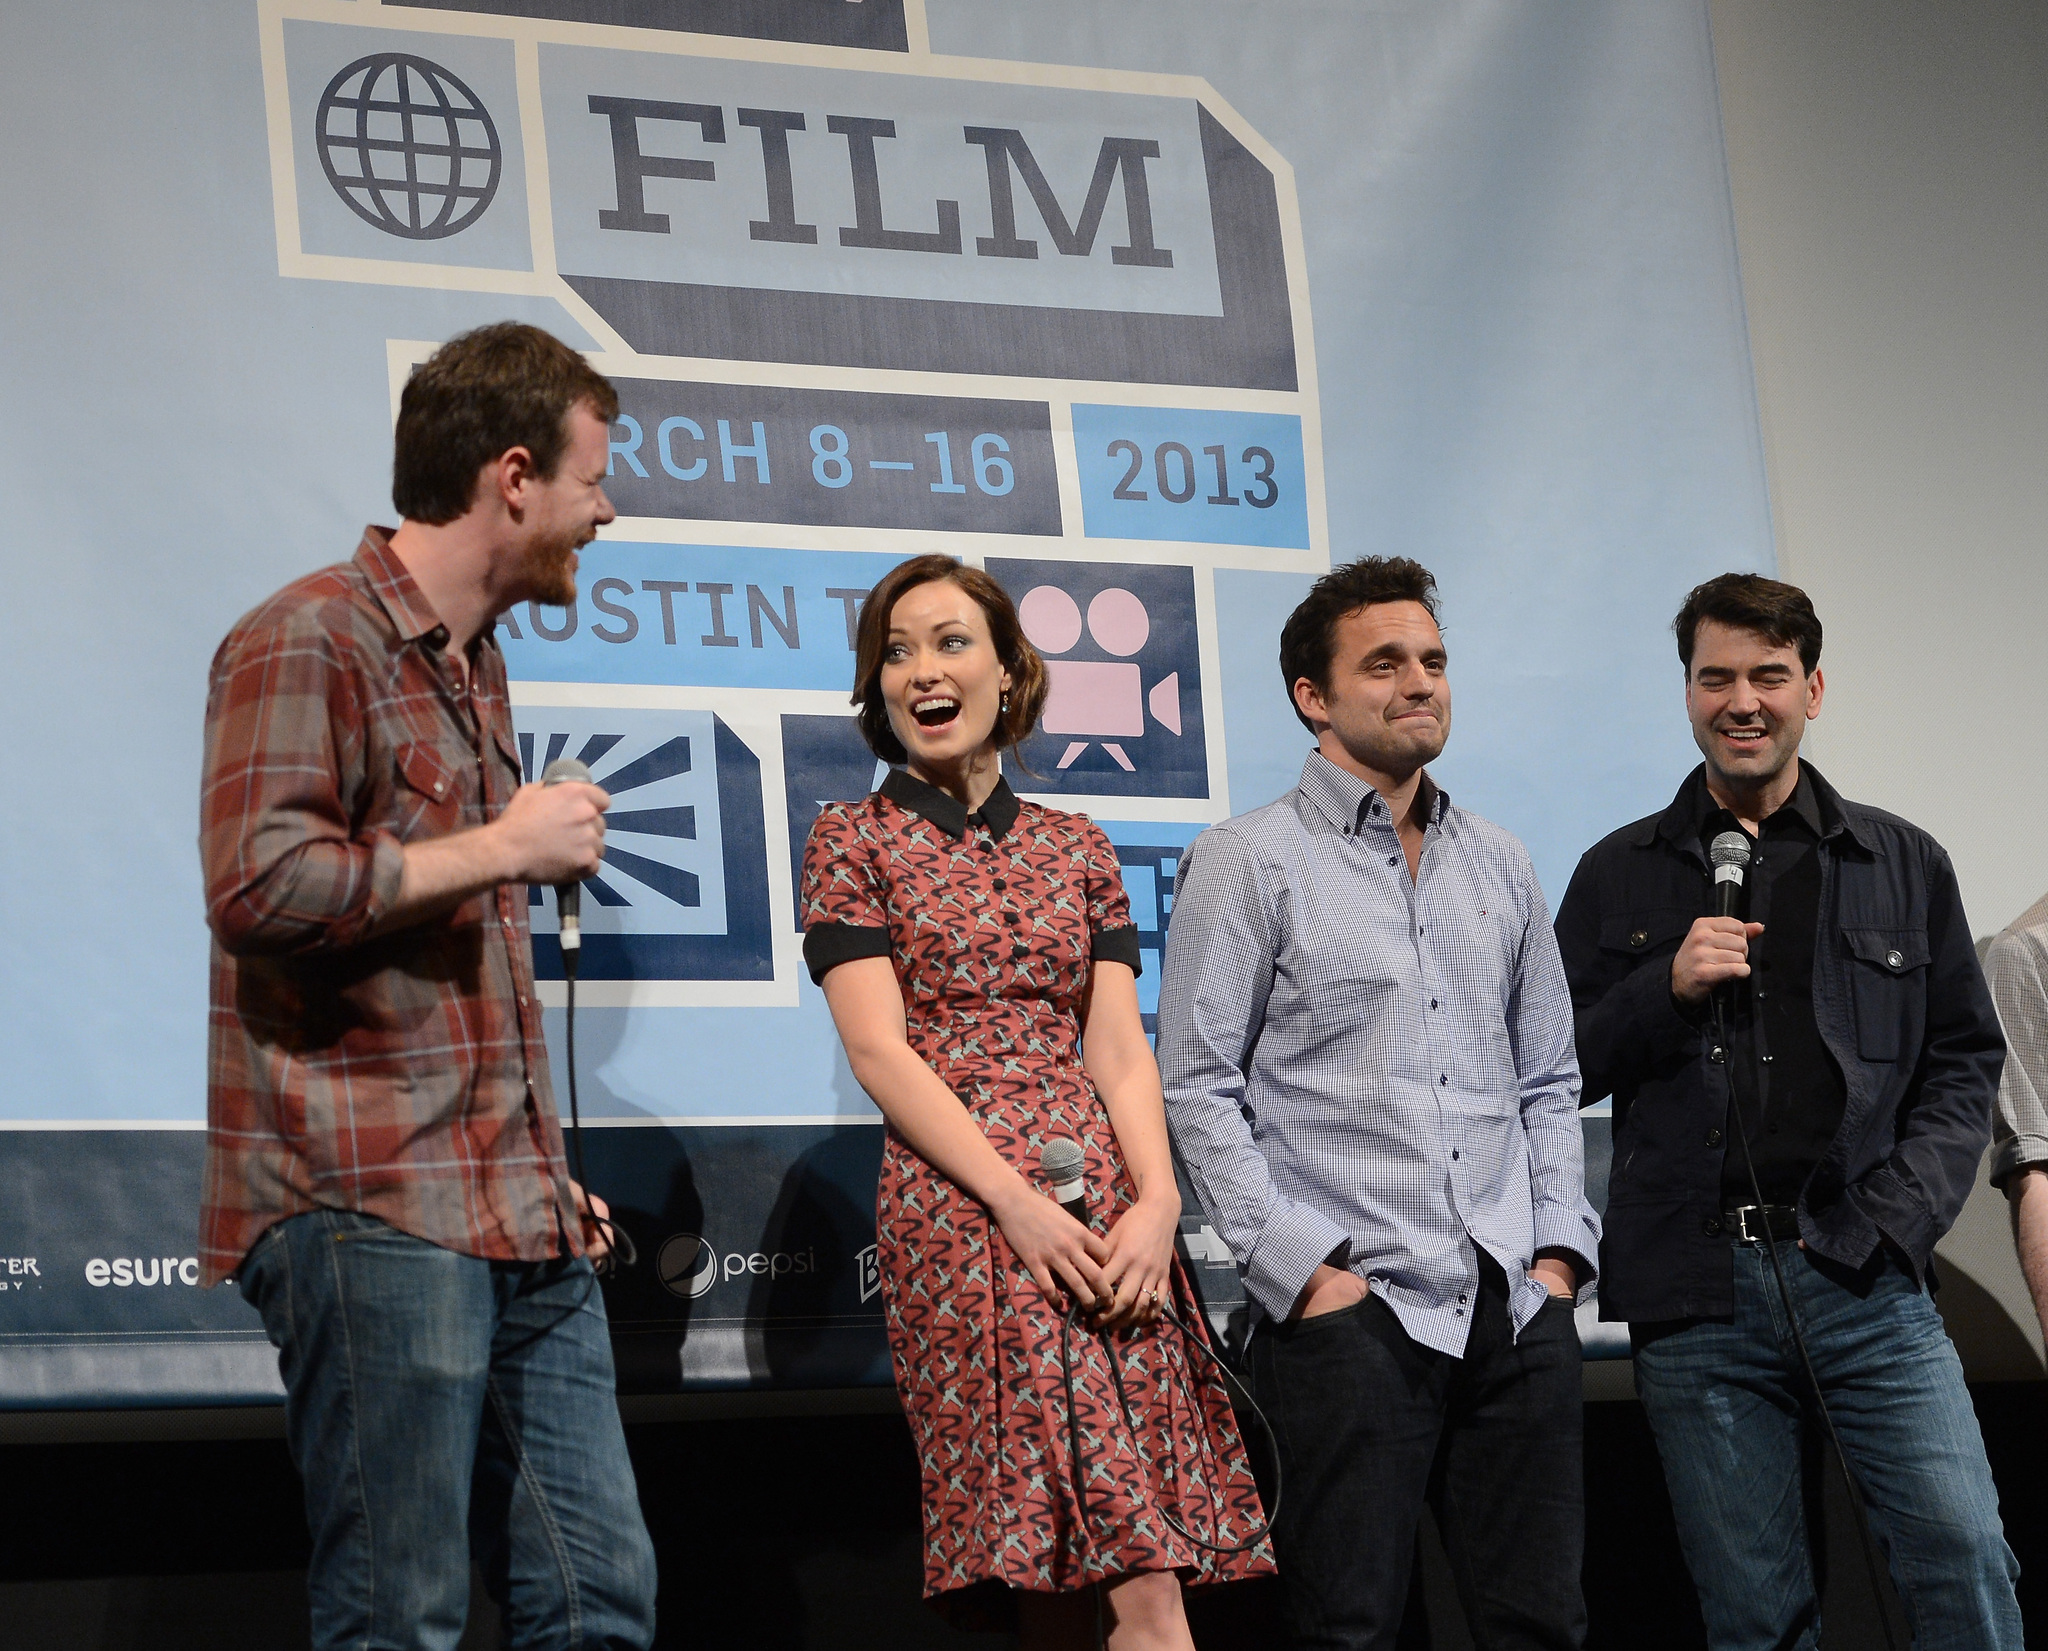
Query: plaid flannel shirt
(398,1074)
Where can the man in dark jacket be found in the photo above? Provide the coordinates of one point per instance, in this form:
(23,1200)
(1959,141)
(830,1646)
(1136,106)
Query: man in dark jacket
(1812,1079)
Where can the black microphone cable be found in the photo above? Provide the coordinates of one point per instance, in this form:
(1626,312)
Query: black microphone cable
(622,1252)
(1062,1159)
(1068,1323)
(568,903)
(1726,860)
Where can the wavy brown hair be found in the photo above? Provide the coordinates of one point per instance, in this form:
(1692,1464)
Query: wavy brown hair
(871,642)
(1779,613)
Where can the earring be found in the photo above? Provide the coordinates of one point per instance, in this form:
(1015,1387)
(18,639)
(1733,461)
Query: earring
(1006,702)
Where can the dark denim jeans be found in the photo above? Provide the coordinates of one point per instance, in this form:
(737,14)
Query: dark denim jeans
(1731,1413)
(439,1406)
(1370,1425)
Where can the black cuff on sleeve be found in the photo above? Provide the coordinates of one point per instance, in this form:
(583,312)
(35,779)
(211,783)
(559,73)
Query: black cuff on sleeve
(1115,946)
(826,945)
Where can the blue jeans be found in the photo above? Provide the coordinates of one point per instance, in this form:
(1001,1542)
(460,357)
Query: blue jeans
(1732,1414)
(440,1407)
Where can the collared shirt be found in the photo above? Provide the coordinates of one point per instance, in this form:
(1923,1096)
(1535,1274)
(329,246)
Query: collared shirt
(1789,1091)
(830,939)
(1371,1069)
(2018,967)
(398,1074)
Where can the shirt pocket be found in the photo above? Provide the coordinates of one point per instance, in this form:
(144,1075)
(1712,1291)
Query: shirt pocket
(427,800)
(1888,980)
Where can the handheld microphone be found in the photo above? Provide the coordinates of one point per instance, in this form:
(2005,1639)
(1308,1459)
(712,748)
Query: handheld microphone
(1065,1165)
(569,895)
(1730,853)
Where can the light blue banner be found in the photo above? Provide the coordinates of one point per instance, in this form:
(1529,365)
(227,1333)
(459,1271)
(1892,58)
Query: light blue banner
(1465,268)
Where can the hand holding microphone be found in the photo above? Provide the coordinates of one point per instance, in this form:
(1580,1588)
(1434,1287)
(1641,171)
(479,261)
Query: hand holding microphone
(1053,1239)
(1137,1260)
(569,890)
(1715,952)
(553,833)
(1138,1273)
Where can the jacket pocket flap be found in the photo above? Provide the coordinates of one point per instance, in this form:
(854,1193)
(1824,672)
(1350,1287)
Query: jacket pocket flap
(1642,932)
(425,770)
(1893,950)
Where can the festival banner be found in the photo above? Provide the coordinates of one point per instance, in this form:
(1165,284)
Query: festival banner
(1153,311)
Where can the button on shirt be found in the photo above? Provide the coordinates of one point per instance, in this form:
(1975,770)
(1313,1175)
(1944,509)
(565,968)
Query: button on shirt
(1370,1069)
(398,1074)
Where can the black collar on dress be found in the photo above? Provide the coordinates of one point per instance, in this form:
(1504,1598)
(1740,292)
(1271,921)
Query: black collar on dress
(998,810)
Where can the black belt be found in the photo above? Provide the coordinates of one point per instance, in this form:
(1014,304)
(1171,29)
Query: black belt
(1751,1223)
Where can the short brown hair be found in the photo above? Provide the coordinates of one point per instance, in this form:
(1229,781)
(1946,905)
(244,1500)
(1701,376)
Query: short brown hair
(1310,634)
(502,386)
(1779,613)
(1019,658)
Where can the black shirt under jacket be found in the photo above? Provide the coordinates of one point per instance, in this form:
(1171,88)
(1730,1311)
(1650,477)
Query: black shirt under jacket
(1900,1005)
(1789,1092)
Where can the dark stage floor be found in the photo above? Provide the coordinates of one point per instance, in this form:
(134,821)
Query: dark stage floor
(783,1532)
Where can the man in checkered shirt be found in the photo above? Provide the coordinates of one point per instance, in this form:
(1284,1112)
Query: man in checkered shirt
(385,1176)
(1366,1042)
(2017,969)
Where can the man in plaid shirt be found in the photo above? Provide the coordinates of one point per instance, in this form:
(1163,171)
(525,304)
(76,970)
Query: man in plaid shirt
(385,1176)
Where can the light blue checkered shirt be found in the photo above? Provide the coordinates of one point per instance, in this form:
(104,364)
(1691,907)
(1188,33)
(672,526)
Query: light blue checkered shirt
(1371,1070)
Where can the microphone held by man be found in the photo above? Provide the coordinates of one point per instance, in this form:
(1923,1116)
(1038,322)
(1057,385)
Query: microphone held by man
(569,891)
(1715,952)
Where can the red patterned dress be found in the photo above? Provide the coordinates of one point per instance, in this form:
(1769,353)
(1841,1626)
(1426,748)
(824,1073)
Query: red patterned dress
(992,921)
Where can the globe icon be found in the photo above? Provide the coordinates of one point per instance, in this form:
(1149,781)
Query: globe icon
(408,146)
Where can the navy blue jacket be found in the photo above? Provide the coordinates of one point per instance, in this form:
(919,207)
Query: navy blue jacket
(1901,1005)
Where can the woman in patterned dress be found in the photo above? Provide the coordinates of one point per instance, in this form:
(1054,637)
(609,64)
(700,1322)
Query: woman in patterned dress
(979,961)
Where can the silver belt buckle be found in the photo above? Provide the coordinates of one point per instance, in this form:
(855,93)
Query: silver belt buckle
(1742,1215)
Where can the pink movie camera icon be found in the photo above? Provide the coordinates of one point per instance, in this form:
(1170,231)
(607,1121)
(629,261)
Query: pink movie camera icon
(1101,699)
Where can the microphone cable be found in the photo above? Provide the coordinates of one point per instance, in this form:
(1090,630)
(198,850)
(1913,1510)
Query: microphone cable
(621,1251)
(1202,1343)
(1069,1321)
(569,904)
(1075,1447)
(1872,1560)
